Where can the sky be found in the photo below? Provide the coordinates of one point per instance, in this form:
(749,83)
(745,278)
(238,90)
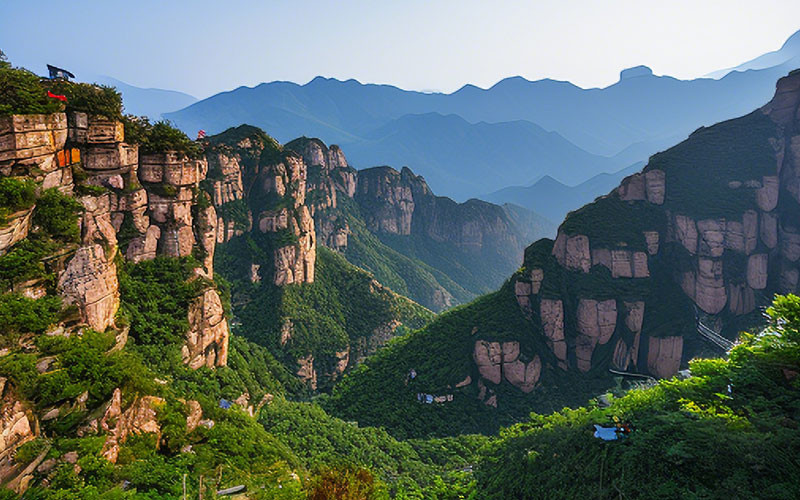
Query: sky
(203,47)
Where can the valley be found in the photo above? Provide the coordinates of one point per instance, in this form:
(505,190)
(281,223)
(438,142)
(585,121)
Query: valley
(359,292)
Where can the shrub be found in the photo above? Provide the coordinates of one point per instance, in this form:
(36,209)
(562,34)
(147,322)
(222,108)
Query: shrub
(21,92)
(158,137)
(19,314)
(90,98)
(90,190)
(15,194)
(57,214)
(155,297)
(24,261)
(346,483)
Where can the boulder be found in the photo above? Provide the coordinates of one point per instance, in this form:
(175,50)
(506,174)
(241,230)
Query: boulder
(306,371)
(790,243)
(467,380)
(768,229)
(144,247)
(488,357)
(537,276)
(621,358)
(652,240)
(295,263)
(767,194)
(100,130)
(560,248)
(597,321)
(626,352)
(634,315)
(96,226)
(140,417)
(750,230)
(640,268)
(195,414)
(552,315)
(734,236)
(342,360)
(601,257)
(110,157)
(741,299)
(632,188)
(621,264)
(523,375)
(782,109)
(270,221)
(18,425)
(577,254)
(15,229)
(206,236)
(32,139)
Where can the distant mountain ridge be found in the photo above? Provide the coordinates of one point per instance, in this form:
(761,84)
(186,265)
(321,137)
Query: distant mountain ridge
(639,115)
(552,199)
(148,102)
(687,250)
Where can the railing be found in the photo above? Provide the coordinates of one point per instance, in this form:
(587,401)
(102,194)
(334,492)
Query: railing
(713,336)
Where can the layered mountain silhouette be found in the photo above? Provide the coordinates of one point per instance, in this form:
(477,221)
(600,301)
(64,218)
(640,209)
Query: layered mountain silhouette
(552,199)
(510,134)
(148,101)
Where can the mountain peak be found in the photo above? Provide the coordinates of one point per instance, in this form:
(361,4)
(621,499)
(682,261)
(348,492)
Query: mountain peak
(793,42)
(635,72)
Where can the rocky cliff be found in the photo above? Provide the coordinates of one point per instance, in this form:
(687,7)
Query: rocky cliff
(430,248)
(132,206)
(274,203)
(711,222)
(671,264)
(257,186)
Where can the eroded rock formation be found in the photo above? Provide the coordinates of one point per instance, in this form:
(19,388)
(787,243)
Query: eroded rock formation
(18,425)
(725,249)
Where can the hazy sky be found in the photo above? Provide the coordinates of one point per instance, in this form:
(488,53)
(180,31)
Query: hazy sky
(203,47)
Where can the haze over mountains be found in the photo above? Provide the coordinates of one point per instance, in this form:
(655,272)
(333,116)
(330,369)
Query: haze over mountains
(476,141)
(148,102)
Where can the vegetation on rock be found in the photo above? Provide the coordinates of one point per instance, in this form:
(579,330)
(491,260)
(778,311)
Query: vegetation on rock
(744,409)
(23,93)
(158,137)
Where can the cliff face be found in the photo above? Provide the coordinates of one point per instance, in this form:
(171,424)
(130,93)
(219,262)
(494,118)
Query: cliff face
(459,250)
(259,188)
(289,197)
(137,207)
(714,220)
(671,264)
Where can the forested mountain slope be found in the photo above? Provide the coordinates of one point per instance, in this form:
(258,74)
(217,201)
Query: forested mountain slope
(697,241)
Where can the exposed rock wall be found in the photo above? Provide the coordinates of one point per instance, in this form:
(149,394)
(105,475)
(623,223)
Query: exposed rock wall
(295,248)
(207,339)
(90,282)
(140,417)
(728,260)
(501,360)
(33,146)
(18,425)
(149,208)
